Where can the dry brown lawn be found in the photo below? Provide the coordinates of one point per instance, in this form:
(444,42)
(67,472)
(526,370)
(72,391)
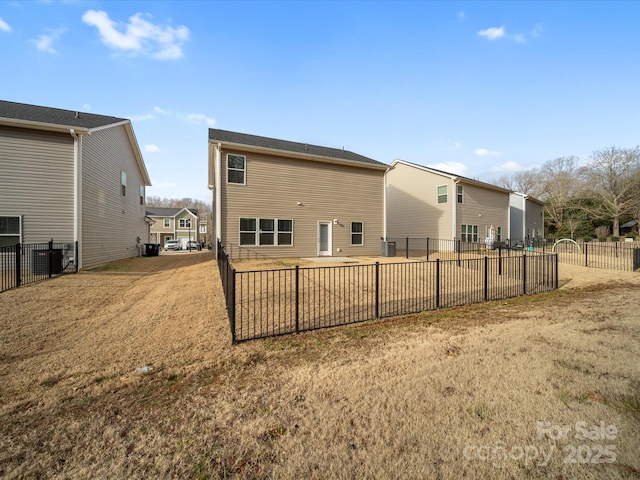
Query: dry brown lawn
(543,386)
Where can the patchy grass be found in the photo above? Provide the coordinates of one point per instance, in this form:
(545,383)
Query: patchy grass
(417,396)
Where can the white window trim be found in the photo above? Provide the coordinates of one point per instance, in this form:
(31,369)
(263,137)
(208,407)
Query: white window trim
(123,183)
(257,231)
(438,202)
(468,236)
(166,221)
(185,220)
(357,233)
(244,170)
(19,234)
(141,194)
(460,194)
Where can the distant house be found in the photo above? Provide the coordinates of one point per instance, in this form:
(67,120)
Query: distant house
(286,199)
(71,176)
(423,202)
(173,224)
(526,217)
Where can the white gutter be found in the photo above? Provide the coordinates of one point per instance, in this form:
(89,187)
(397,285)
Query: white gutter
(77,194)
(218,185)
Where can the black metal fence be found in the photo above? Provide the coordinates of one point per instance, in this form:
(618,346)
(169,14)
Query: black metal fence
(607,255)
(263,303)
(22,264)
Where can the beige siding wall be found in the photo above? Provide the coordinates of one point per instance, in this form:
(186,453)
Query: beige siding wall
(111,222)
(183,233)
(158,226)
(483,207)
(36,182)
(412,204)
(274,186)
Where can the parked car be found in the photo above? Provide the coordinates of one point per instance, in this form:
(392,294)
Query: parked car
(193,245)
(173,245)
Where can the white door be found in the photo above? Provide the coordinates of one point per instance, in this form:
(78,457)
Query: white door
(324,239)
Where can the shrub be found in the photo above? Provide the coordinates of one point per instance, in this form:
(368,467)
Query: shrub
(602,231)
(615,239)
(631,235)
(586,239)
(602,239)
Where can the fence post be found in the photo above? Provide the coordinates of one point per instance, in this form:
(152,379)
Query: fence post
(18,264)
(297,299)
(378,288)
(50,257)
(524,273)
(232,307)
(499,260)
(406,250)
(427,249)
(486,278)
(77,255)
(459,244)
(437,283)
(586,255)
(556,268)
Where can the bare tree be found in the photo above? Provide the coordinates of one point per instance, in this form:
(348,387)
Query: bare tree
(525,181)
(558,185)
(612,180)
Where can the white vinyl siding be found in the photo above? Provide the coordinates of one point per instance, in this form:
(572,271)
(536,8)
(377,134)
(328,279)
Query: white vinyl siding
(37,183)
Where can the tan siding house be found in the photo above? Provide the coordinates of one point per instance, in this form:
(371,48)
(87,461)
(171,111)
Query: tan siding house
(73,176)
(423,202)
(285,199)
(173,223)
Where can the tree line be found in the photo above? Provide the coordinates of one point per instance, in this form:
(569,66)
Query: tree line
(581,197)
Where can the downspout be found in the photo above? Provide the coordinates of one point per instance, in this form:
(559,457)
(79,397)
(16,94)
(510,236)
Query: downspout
(218,183)
(384,207)
(77,196)
(454,201)
(524,217)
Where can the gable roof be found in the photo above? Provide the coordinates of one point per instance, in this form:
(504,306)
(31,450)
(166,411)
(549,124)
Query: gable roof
(301,150)
(528,197)
(452,176)
(168,212)
(12,112)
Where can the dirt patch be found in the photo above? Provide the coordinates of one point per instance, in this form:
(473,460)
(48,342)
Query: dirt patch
(418,396)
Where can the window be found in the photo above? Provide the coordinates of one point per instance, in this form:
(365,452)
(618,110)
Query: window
(357,233)
(141,194)
(460,194)
(185,223)
(442,194)
(10,228)
(499,234)
(123,183)
(167,222)
(236,169)
(469,233)
(266,231)
(203,229)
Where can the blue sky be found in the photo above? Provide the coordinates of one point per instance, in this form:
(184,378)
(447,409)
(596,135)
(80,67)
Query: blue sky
(475,88)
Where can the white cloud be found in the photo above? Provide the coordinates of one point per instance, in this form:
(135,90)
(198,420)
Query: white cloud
(511,167)
(162,184)
(159,110)
(140,118)
(44,42)
(536,30)
(139,35)
(483,152)
(199,118)
(492,33)
(450,167)
(4,26)
(151,148)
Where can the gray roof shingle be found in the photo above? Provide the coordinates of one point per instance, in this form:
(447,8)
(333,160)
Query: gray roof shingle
(167,212)
(285,145)
(55,116)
